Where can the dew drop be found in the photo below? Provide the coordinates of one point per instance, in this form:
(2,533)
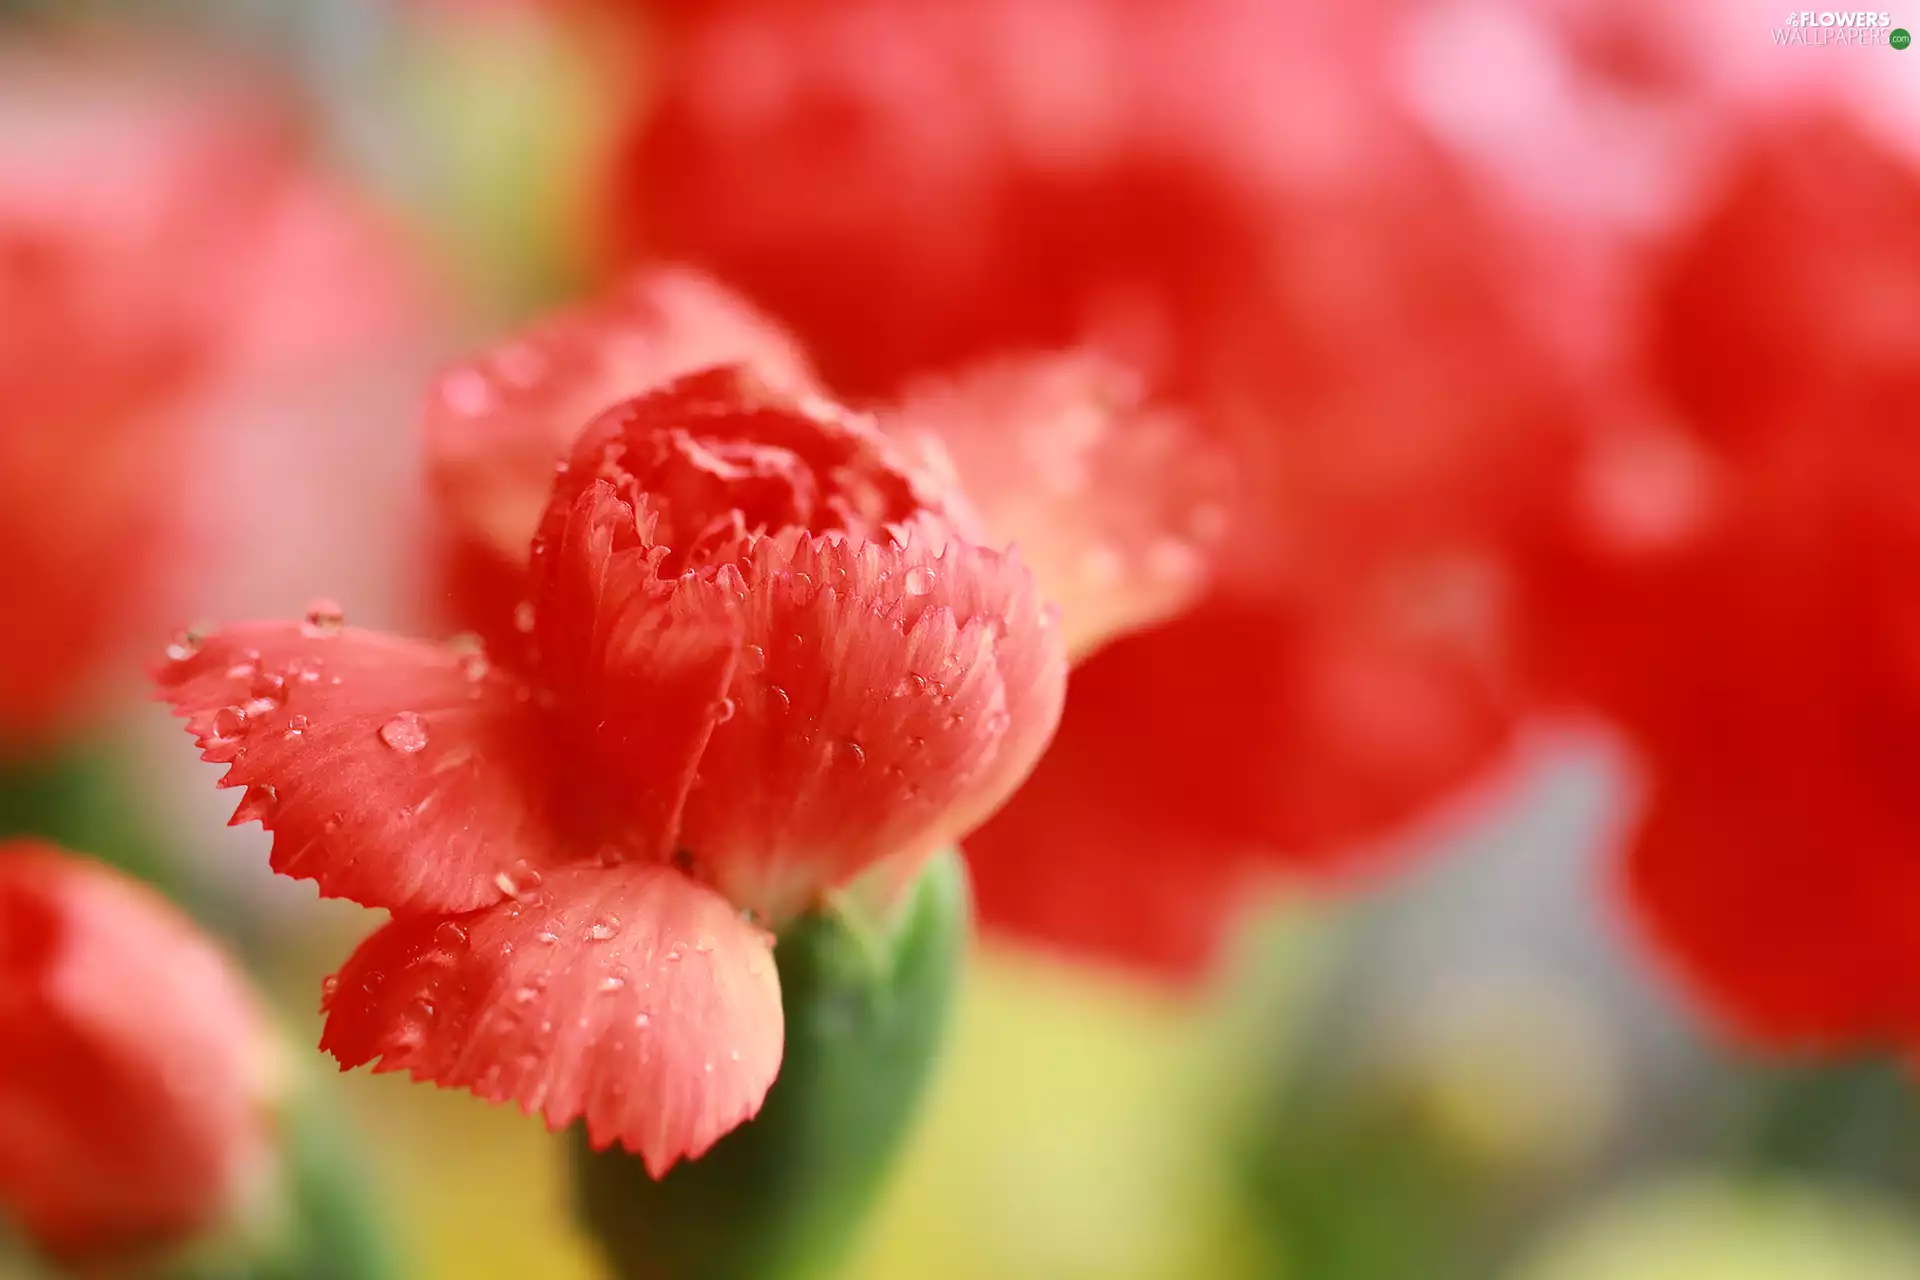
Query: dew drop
(722,711)
(405,732)
(643,1020)
(526,995)
(853,753)
(753,659)
(474,666)
(184,646)
(603,929)
(781,702)
(451,935)
(333,823)
(240,671)
(518,880)
(919,580)
(229,722)
(674,953)
(523,617)
(420,1009)
(324,618)
(296,725)
(468,392)
(612,982)
(910,684)
(256,707)
(373,982)
(548,935)
(329,988)
(268,685)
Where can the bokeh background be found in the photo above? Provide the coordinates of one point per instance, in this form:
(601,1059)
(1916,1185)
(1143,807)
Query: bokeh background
(1466,1054)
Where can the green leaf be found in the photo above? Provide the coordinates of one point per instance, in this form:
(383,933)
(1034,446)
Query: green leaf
(782,1196)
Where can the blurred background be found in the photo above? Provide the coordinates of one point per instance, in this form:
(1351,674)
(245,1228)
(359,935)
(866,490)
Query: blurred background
(1496,859)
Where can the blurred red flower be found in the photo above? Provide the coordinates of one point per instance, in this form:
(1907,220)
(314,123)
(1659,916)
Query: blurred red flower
(1741,596)
(763,659)
(1228,199)
(135,1088)
(162,238)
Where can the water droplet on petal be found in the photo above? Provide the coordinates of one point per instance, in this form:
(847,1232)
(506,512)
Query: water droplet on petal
(333,823)
(373,982)
(229,722)
(603,929)
(675,952)
(526,995)
(184,646)
(910,684)
(240,671)
(451,935)
(612,982)
(474,666)
(324,618)
(518,880)
(468,392)
(753,659)
(853,753)
(919,580)
(405,732)
(643,1020)
(329,988)
(523,617)
(268,685)
(257,707)
(781,702)
(296,725)
(722,711)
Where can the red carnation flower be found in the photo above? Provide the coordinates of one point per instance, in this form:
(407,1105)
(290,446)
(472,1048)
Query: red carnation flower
(1741,598)
(761,663)
(135,1083)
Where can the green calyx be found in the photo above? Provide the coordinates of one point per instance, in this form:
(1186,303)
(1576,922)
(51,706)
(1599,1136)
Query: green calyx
(866,1002)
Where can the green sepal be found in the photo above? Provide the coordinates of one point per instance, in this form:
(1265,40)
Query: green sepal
(783,1196)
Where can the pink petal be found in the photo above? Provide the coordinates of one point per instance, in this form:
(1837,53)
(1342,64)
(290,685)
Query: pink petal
(888,698)
(638,667)
(630,995)
(497,424)
(396,773)
(1113,503)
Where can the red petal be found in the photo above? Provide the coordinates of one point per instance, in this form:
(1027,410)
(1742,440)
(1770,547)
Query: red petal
(888,698)
(496,425)
(1112,503)
(1786,894)
(396,773)
(630,995)
(135,1082)
(1237,737)
(638,665)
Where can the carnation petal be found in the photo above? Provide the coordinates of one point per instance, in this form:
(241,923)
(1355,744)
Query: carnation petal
(1113,503)
(888,697)
(631,995)
(396,773)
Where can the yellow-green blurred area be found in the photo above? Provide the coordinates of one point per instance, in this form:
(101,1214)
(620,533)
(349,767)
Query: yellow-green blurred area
(1068,1134)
